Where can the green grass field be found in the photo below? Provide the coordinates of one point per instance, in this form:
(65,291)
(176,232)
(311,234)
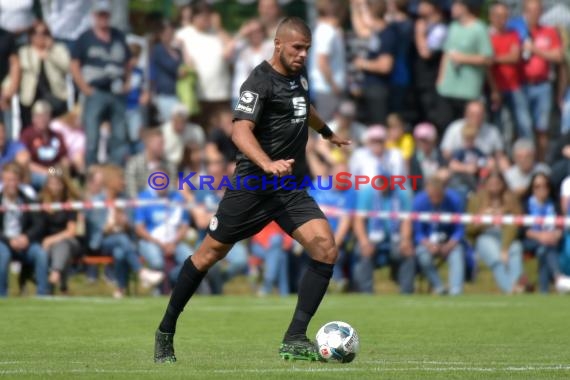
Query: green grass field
(418,337)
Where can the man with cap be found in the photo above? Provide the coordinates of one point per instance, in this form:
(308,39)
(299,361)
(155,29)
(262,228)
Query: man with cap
(427,159)
(374,158)
(100,68)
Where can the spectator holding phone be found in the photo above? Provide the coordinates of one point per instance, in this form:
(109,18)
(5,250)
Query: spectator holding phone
(100,66)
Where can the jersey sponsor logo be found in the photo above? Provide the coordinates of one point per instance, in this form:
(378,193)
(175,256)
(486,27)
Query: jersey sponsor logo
(294,85)
(299,106)
(247,102)
(213,223)
(304,83)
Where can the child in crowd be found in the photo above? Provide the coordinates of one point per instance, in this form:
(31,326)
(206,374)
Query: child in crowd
(398,138)
(69,126)
(466,163)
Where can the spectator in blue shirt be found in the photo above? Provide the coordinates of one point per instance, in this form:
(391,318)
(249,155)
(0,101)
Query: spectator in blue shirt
(162,229)
(137,97)
(544,240)
(437,240)
(165,69)
(11,150)
(100,68)
(339,201)
(379,238)
(207,199)
(108,231)
(401,78)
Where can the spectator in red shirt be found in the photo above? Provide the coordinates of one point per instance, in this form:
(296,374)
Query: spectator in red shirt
(544,48)
(46,147)
(506,77)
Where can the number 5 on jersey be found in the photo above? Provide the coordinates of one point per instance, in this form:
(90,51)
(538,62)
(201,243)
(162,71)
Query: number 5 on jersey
(299,106)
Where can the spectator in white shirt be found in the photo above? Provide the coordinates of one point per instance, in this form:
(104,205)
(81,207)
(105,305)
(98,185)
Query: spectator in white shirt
(270,13)
(17,16)
(519,175)
(178,133)
(327,58)
(374,158)
(257,48)
(67,19)
(488,139)
(208,50)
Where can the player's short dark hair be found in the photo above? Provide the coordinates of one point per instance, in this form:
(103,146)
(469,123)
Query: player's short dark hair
(294,23)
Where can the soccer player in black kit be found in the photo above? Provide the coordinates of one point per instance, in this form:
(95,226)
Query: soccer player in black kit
(270,129)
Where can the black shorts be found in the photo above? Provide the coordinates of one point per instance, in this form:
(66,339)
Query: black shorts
(242,214)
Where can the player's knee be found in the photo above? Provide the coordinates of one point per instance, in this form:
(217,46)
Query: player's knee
(327,253)
(206,257)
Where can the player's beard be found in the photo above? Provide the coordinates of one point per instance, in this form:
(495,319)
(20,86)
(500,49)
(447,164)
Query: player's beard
(286,65)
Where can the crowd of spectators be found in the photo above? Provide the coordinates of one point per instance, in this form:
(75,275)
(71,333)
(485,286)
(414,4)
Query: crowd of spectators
(470,97)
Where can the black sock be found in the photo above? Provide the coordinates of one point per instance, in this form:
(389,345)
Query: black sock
(311,291)
(188,281)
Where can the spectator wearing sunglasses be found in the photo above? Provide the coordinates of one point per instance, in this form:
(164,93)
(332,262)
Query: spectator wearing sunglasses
(44,65)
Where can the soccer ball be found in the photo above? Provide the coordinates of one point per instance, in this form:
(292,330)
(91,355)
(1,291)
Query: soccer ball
(338,341)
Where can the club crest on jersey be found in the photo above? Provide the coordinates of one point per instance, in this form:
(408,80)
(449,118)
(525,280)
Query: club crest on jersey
(213,223)
(247,102)
(304,83)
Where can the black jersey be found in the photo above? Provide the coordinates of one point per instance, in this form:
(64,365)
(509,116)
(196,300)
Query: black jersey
(279,107)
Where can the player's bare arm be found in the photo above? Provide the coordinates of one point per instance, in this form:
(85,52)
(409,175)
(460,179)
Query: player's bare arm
(320,126)
(242,136)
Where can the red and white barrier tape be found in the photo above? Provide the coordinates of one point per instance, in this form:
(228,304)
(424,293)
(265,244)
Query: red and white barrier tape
(82,205)
(517,220)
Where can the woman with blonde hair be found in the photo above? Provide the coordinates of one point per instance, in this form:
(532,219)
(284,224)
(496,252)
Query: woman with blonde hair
(498,246)
(70,128)
(60,226)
